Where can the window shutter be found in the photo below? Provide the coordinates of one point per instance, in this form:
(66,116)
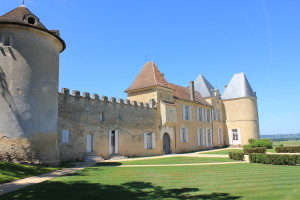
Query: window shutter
(198,136)
(153,140)
(109,142)
(186,134)
(145,140)
(182,130)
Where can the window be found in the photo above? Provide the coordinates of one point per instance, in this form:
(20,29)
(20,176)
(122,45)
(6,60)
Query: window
(201,114)
(31,20)
(184,134)
(149,140)
(101,117)
(65,136)
(209,137)
(6,41)
(235,134)
(220,136)
(186,113)
(201,137)
(208,115)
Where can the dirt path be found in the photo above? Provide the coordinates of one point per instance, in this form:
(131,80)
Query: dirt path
(18,184)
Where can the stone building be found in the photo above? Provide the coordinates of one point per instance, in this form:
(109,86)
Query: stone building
(157,118)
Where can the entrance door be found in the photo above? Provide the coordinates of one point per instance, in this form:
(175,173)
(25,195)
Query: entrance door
(113,142)
(166,143)
(89,143)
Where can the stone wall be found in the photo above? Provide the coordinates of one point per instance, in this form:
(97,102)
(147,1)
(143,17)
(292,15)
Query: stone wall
(81,116)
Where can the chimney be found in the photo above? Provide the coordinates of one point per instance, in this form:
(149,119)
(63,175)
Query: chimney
(192,91)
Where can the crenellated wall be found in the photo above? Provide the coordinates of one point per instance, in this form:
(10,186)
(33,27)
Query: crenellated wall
(81,115)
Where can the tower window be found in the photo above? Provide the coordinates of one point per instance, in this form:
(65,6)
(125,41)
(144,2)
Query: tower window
(31,20)
(6,41)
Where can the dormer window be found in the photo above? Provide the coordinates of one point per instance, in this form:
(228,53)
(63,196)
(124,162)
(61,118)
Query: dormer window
(31,19)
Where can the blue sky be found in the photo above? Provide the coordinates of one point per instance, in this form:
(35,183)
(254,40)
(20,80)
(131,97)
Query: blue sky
(108,42)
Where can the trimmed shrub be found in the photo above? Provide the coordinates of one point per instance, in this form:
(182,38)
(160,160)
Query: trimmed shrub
(261,143)
(275,159)
(247,150)
(287,149)
(236,155)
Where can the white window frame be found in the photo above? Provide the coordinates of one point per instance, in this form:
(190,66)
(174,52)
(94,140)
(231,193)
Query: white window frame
(201,137)
(65,136)
(209,139)
(201,114)
(184,136)
(185,116)
(234,136)
(149,140)
(208,114)
(220,136)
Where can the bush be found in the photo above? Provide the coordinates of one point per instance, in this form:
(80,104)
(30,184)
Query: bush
(248,150)
(261,143)
(275,159)
(236,155)
(287,149)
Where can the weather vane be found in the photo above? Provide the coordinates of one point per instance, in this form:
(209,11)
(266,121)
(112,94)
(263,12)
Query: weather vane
(23,2)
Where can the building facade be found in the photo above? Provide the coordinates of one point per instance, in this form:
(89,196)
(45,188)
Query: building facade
(157,118)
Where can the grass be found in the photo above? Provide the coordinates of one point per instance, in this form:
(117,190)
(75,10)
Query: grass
(12,171)
(287,143)
(219,182)
(223,151)
(174,160)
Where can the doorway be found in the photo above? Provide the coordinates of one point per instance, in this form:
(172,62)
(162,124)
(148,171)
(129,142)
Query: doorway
(113,142)
(89,143)
(166,143)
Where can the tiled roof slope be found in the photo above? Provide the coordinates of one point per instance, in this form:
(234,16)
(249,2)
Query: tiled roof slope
(149,76)
(183,93)
(17,16)
(238,87)
(203,86)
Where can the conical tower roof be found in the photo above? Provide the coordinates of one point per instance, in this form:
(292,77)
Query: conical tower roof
(203,86)
(238,87)
(149,76)
(22,16)
(19,14)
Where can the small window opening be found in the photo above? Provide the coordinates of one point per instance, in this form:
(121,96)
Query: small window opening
(31,20)
(6,41)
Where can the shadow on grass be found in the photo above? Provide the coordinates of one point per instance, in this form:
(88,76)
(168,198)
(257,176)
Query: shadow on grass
(108,164)
(81,190)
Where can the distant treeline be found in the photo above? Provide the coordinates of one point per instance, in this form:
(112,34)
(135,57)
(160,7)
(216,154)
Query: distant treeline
(283,139)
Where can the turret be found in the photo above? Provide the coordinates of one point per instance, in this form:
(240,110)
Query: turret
(240,104)
(29,65)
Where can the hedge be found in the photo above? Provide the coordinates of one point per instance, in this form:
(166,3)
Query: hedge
(248,150)
(275,159)
(261,143)
(287,149)
(236,155)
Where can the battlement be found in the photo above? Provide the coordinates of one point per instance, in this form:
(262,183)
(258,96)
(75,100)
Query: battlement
(97,98)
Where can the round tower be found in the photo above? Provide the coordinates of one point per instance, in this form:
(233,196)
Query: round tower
(240,106)
(29,64)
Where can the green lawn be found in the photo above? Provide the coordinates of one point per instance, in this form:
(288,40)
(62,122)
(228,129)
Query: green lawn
(174,160)
(223,151)
(12,171)
(219,182)
(287,143)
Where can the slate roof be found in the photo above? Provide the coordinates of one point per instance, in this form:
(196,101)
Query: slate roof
(183,93)
(203,86)
(238,87)
(17,16)
(149,76)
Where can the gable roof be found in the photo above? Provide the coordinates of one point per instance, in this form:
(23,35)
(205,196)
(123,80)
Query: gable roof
(238,87)
(183,93)
(203,86)
(17,17)
(149,76)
